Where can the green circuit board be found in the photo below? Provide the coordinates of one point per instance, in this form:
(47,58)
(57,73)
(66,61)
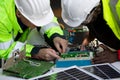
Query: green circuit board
(77,55)
(28,68)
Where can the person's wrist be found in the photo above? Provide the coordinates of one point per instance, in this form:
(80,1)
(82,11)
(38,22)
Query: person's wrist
(118,52)
(36,49)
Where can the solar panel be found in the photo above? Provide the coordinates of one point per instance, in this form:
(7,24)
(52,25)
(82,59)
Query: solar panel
(72,73)
(105,71)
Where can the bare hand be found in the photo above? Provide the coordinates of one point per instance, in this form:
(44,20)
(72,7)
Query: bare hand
(60,44)
(107,56)
(84,43)
(46,54)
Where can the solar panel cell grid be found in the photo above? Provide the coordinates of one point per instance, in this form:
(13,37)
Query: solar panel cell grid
(109,71)
(70,74)
(103,71)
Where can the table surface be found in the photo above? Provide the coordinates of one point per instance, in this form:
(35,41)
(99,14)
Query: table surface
(3,77)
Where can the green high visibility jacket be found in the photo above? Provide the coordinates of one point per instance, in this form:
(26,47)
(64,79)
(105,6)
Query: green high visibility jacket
(111,13)
(9,28)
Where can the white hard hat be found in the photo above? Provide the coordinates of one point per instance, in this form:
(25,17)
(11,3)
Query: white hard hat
(37,12)
(74,12)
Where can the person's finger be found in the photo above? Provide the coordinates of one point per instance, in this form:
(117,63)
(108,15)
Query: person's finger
(53,53)
(82,47)
(97,59)
(47,57)
(58,47)
(64,47)
(100,54)
(100,61)
(104,47)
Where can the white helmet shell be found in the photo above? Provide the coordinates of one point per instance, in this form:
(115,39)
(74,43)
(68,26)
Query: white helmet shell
(74,12)
(38,12)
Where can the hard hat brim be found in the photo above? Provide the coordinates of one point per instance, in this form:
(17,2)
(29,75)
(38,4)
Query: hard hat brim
(69,21)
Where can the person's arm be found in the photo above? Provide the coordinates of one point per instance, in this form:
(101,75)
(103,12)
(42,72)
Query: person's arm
(54,36)
(41,52)
(44,53)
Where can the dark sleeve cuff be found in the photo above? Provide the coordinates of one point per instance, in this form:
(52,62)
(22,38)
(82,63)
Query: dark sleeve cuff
(36,49)
(57,35)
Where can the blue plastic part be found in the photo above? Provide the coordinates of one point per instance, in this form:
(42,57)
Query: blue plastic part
(68,63)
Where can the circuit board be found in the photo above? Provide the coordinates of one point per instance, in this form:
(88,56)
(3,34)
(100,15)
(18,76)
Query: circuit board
(77,55)
(79,58)
(75,35)
(28,68)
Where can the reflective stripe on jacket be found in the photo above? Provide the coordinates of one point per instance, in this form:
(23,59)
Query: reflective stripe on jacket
(51,28)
